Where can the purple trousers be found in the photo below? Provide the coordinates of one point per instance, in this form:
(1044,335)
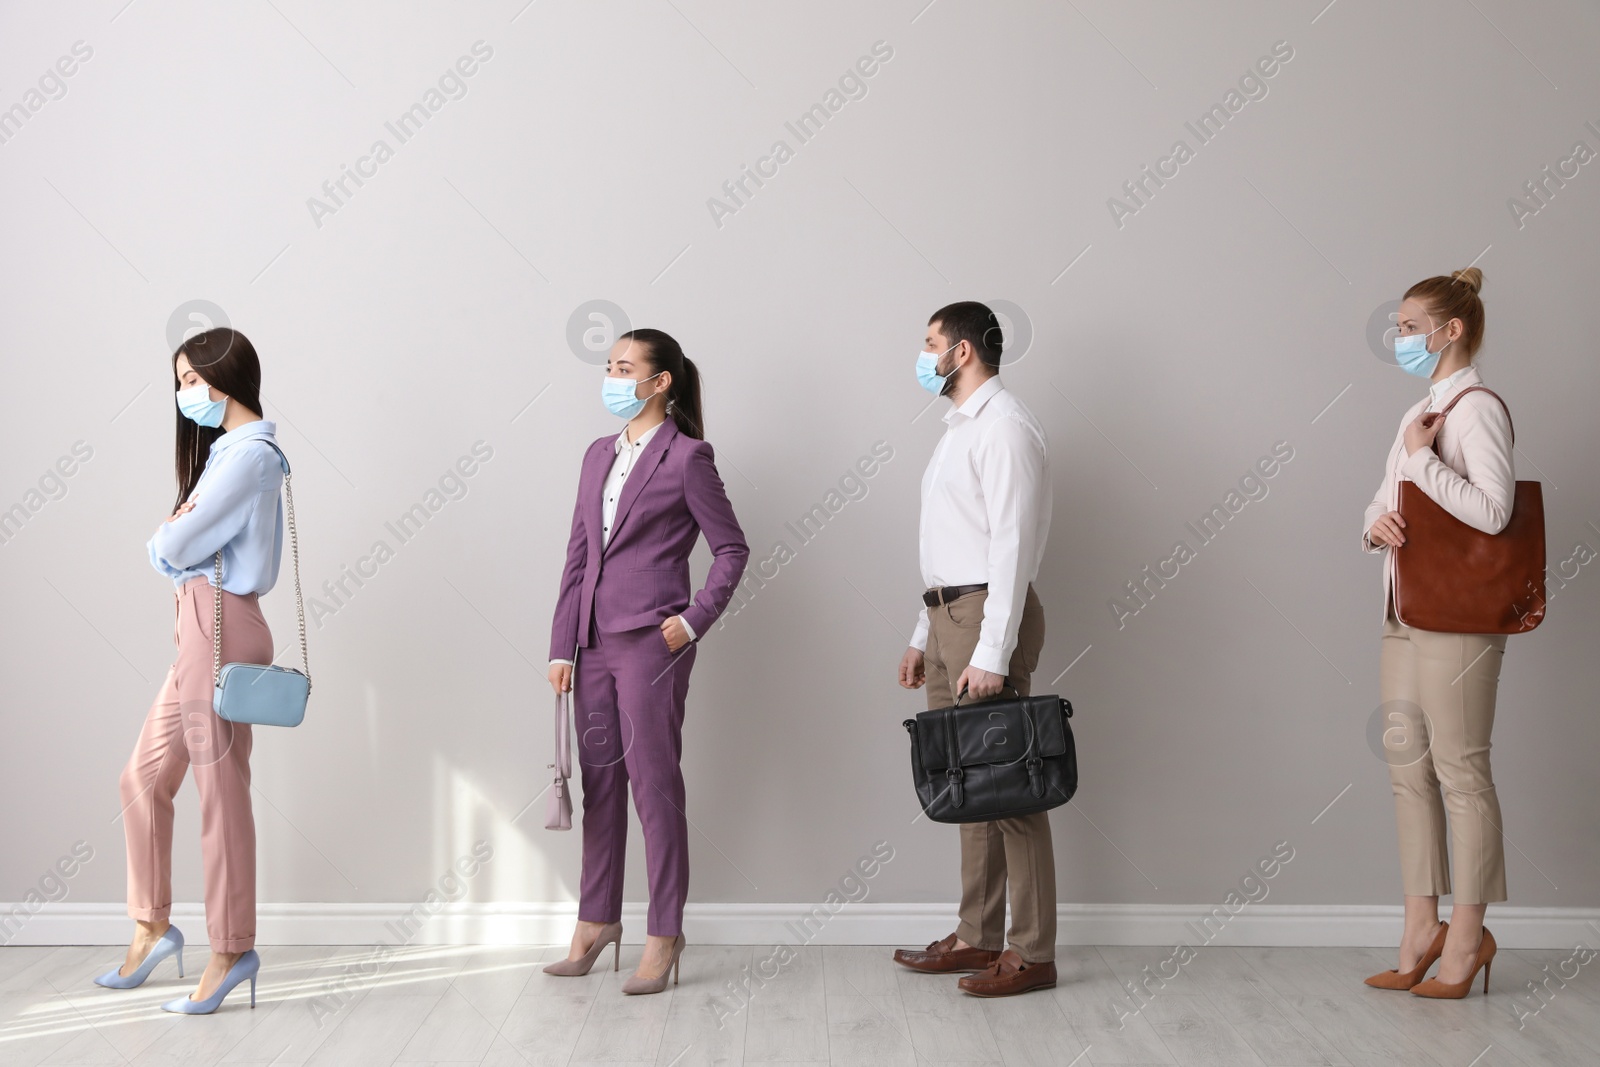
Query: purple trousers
(628,692)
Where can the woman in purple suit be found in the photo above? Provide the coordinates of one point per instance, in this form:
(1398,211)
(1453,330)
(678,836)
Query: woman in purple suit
(623,639)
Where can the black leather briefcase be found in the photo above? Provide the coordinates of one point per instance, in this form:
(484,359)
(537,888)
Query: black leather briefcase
(993,760)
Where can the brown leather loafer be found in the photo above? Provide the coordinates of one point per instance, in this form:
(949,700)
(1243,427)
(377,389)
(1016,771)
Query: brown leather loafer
(1009,976)
(942,957)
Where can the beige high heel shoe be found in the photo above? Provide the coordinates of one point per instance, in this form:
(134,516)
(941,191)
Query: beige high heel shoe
(635,984)
(610,934)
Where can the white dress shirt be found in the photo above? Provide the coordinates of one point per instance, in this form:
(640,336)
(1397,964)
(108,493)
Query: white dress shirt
(986,514)
(1437,390)
(628,453)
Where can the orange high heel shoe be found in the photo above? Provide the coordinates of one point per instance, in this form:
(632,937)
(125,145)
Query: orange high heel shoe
(1437,990)
(1393,979)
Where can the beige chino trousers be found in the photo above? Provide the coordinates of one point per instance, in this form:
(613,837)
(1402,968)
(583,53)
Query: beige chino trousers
(1017,851)
(1452,679)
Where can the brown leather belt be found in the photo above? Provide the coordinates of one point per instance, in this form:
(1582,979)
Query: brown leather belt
(946,593)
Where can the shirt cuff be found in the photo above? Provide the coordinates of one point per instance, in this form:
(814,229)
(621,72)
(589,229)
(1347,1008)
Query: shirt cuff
(157,562)
(687,628)
(988,658)
(568,662)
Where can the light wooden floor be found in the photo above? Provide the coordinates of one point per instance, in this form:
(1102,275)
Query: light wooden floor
(1229,1007)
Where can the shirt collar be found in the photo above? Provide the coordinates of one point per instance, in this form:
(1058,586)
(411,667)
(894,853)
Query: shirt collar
(1437,391)
(258,428)
(974,403)
(643,440)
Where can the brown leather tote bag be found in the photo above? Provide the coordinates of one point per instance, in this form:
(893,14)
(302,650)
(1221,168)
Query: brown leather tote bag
(1452,578)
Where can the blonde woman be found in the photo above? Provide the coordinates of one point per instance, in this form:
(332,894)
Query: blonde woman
(1445,802)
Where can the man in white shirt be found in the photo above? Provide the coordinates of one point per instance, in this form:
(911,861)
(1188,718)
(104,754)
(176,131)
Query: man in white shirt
(985,516)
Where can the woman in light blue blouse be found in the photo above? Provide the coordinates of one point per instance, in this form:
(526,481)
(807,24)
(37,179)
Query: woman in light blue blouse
(229,477)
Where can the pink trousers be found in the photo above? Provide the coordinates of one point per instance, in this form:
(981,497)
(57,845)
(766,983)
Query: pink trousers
(182,731)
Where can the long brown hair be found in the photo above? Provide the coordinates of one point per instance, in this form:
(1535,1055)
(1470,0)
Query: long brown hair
(683,395)
(1454,297)
(225,359)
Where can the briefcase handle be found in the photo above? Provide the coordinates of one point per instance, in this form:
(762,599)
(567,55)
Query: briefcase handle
(1006,685)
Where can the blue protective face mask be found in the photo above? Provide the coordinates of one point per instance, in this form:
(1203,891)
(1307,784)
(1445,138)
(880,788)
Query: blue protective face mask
(1411,352)
(928,375)
(196,403)
(618,396)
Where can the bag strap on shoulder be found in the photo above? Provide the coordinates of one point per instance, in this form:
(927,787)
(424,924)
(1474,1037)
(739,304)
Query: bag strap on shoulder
(1482,389)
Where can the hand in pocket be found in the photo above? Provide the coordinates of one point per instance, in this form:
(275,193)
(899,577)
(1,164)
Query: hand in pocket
(674,633)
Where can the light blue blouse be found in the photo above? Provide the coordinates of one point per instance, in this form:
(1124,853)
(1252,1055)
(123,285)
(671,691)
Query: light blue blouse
(236,509)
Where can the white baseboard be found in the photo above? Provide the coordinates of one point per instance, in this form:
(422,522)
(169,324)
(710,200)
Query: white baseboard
(865,923)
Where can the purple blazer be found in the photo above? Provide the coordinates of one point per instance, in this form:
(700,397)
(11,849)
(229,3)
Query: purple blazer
(641,576)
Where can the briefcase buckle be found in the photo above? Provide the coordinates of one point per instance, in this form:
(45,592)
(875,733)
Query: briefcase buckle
(955,775)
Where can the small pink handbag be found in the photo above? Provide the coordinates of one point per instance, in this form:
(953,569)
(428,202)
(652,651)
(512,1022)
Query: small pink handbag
(558,815)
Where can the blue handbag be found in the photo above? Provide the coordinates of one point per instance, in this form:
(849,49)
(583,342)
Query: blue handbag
(262,694)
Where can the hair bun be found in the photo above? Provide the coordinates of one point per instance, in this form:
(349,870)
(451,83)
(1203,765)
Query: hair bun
(1470,276)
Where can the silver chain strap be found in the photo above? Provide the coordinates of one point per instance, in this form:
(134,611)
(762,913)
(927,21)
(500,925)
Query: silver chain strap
(299,601)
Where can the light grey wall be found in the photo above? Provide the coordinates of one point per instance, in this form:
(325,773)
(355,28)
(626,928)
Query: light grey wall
(431,311)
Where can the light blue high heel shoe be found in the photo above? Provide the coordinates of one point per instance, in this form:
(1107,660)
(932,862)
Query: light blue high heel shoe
(247,966)
(170,944)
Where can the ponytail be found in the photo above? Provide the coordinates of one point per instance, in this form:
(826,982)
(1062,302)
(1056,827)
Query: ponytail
(683,395)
